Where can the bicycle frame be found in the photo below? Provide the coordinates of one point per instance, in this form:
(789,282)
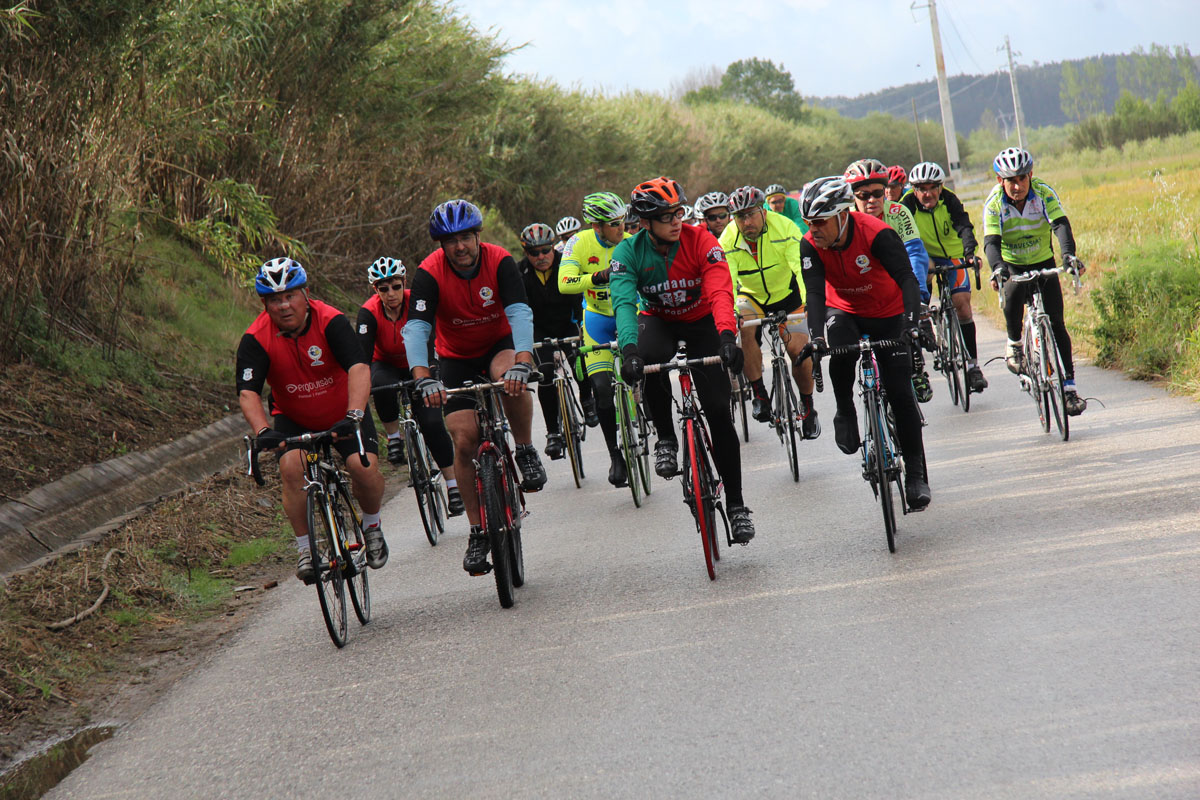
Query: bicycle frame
(1043,374)
(570,413)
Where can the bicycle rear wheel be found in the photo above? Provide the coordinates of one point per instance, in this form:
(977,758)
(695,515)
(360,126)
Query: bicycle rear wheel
(626,411)
(1052,362)
(331,587)
(357,573)
(418,474)
(878,466)
(700,498)
(571,433)
(493,501)
(737,404)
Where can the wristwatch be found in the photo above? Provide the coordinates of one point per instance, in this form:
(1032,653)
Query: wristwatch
(356,414)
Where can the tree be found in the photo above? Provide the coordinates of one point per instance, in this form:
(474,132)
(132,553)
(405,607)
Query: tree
(760,83)
(1082,90)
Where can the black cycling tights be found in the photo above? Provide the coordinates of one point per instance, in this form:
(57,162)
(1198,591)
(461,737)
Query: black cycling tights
(657,342)
(1015,295)
(895,368)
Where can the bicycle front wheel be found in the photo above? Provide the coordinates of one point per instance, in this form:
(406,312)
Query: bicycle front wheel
(878,465)
(737,404)
(1036,375)
(628,436)
(643,444)
(512,491)
(331,587)
(948,351)
(959,362)
(701,496)
(492,502)
(786,414)
(356,571)
(1055,394)
(418,474)
(572,436)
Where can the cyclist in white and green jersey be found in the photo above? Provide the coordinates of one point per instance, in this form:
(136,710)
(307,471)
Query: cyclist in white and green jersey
(1018,218)
(585,270)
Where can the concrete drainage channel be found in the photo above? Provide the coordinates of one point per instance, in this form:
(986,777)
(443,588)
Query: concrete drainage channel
(78,510)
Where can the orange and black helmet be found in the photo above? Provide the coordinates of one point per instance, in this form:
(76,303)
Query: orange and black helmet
(655,196)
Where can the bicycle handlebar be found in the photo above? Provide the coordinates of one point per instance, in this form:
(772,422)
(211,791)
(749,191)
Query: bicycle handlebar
(307,440)
(487,386)
(591,348)
(778,318)
(556,342)
(682,363)
(956,264)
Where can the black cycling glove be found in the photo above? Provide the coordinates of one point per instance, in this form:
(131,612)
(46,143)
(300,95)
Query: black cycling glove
(632,364)
(519,372)
(268,439)
(601,278)
(731,354)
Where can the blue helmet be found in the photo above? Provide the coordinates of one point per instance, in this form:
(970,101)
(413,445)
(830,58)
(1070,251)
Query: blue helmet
(280,275)
(454,216)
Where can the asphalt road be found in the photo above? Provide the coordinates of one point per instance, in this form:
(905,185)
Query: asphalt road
(1036,635)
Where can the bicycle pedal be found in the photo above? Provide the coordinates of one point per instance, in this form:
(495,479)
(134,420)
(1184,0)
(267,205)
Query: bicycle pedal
(353,546)
(481,574)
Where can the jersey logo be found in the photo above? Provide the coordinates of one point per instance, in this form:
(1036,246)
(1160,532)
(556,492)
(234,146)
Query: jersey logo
(485,294)
(420,305)
(807,263)
(616,266)
(314,353)
(247,374)
(593,259)
(362,328)
(715,255)
(864,264)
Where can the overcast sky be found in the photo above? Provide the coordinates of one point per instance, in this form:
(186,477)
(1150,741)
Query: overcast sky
(831,47)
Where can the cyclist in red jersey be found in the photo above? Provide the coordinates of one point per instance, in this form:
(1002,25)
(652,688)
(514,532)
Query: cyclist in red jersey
(475,294)
(858,277)
(319,380)
(379,323)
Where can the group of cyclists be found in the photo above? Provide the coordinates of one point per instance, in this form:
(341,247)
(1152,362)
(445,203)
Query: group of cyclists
(846,258)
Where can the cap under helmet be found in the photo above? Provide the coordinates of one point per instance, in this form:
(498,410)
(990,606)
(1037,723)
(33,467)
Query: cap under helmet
(1013,161)
(896,174)
(826,197)
(567,225)
(744,198)
(537,234)
(385,269)
(866,170)
(927,172)
(454,216)
(653,197)
(603,207)
(280,275)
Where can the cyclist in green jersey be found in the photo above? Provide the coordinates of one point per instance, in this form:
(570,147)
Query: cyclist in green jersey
(868,181)
(1018,217)
(948,234)
(585,270)
(763,251)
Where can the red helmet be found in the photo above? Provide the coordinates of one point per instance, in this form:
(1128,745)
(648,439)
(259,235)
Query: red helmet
(897,174)
(867,170)
(655,196)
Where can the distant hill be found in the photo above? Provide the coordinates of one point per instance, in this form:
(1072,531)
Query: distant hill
(979,99)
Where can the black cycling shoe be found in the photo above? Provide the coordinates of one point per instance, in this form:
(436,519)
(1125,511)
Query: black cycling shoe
(739,521)
(975,380)
(921,387)
(845,432)
(1075,404)
(395,454)
(454,502)
(476,559)
(617,474)
(590,417)
(533,474)
(810,424)
(666,458)
(554,446)
(916,491)
(760,409)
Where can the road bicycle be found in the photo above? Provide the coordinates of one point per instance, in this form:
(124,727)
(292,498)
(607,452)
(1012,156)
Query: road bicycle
(501,499)
(335,534)
(423,475)
(633,426)
(880,450)
(950,354)
(570,413)
(785,405)
(1042,374)
(701,489)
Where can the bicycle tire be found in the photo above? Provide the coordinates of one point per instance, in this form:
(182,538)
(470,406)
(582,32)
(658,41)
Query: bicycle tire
(878,466)
(492,501)
(958,363)
(435,488)
(643,428)
(570,429)
(331,587)
(789,414)
(699,503)
(895,473)
(1036,374)
(737,405)
(625,411)
(418,474)
(1052,360)
(512,486)
(947,353)
(357,572)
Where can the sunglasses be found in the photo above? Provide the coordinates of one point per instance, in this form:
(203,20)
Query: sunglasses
(876,194)
(670,216)
(392,287)
(538,251)
(716,217)
(819,223)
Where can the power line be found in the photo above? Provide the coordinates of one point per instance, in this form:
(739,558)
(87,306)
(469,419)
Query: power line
(954,27)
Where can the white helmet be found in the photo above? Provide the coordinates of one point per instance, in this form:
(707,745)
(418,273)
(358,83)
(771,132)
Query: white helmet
(567,225)
(384,269)
(926,172)
(1013,162)
(826,197)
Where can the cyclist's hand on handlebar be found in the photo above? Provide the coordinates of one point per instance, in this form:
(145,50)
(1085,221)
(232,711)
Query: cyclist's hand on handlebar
(517,378)
(1073,264)
(431,391)
(731,354)
(631,364)
(268,439)
(600,277)
(819,346)
(344,428)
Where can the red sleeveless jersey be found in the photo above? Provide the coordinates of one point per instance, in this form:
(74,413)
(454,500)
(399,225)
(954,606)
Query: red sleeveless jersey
(389,345)
(308,385)
(470,318)
(855,281)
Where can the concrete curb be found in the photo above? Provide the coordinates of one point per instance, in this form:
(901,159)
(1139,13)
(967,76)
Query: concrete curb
(79,508)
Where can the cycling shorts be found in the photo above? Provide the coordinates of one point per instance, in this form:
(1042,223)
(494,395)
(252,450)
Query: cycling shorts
(347,447)
(748,309)
(458,371)
(959,279)
(598,329)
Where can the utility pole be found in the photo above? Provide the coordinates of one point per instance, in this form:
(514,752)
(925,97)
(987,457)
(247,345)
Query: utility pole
(954,167)
(917,125)
(1012,77)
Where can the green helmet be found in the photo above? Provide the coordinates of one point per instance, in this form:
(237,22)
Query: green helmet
(603,207)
